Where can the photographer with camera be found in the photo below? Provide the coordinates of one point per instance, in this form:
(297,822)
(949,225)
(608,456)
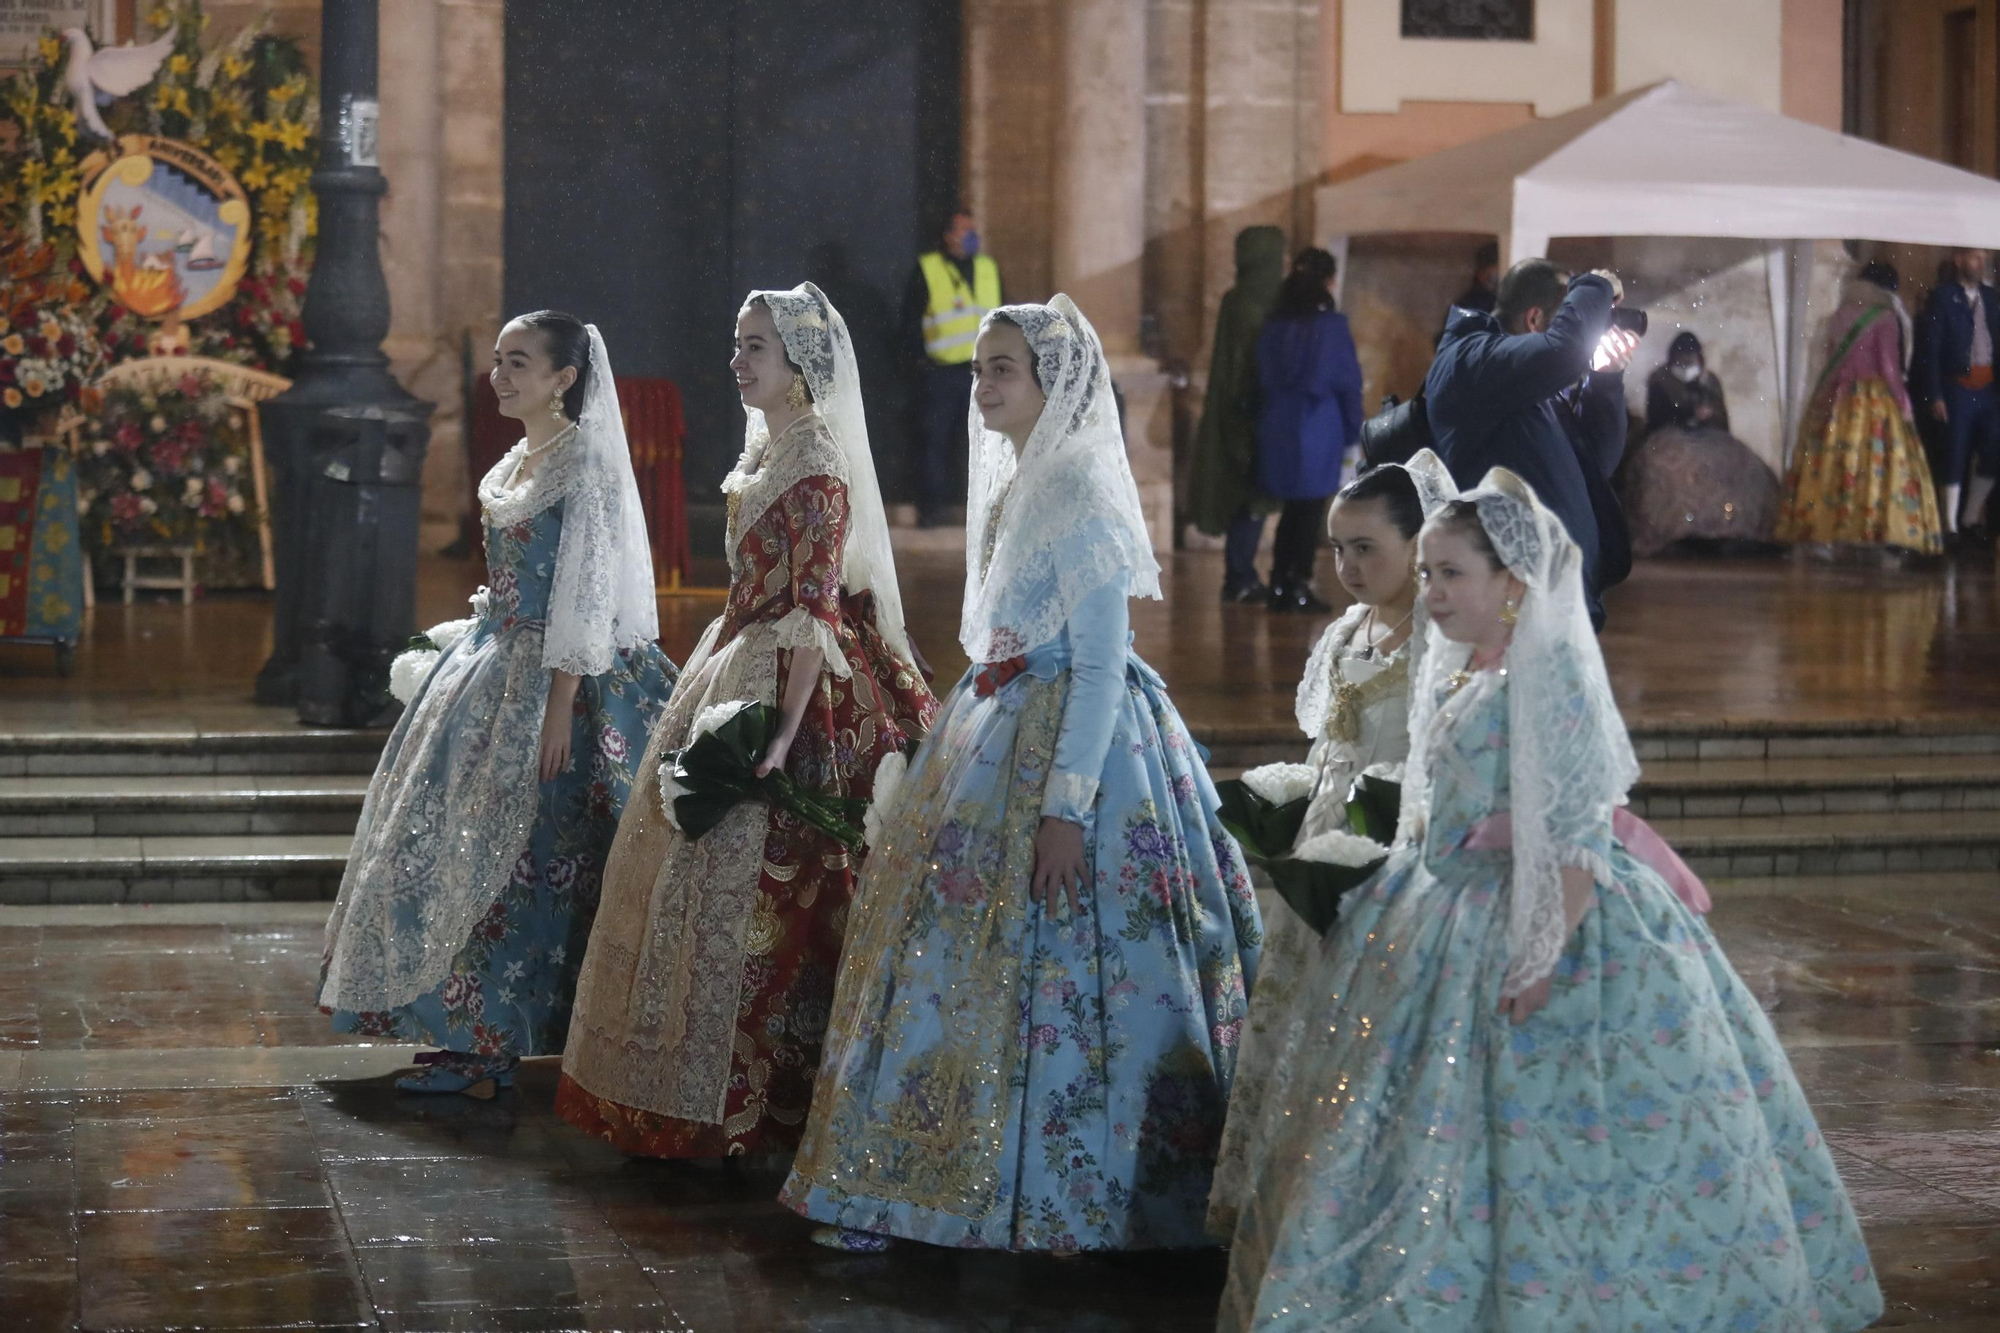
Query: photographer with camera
(1538,387)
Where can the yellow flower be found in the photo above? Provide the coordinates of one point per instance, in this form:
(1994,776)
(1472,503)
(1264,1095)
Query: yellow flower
(234,68)
(13,345)
(230,156)
(163,97)
(225,107)
(34,384)
(51,330)
(292,134)
(159,17)
(51,49)
(294,179)
(12,397)
(33,172)
(263,131)
(274,226)
(179,64)
(62,215)
(255,176)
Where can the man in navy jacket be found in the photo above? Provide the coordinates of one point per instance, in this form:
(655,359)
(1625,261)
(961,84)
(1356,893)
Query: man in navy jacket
(1515,389)
(1954,371)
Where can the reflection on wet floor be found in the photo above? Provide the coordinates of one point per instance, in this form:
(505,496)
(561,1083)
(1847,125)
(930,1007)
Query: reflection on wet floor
(144,1185)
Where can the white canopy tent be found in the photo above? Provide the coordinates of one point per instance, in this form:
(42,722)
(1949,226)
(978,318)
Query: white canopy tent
(1670,160)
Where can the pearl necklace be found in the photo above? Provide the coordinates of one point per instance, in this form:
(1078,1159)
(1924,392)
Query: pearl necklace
(561,436)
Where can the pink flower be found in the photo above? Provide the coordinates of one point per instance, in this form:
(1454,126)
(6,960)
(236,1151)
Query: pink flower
(1535,1289)
(1225,1034)
(1656,1120)
(1780,1245)
(1449,1133)
(1517,1127)
(1705,1189)
(1812,1138)
(1481,1213)
(1605,1291)
(1597,1133)
(1662,1036)
(1811,1222)
(1612,967)
(1331,1208)
(1693,1272)
(1451,1295)
(612,742)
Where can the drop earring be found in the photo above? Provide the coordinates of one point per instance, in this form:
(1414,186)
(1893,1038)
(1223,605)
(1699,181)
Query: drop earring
(796,396)
(1509,613)
(556,406)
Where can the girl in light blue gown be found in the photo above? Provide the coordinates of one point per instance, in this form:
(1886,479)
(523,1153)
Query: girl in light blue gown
(1034,1027)
(1535,1095)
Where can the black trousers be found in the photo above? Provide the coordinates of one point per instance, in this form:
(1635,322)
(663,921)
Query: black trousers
(1296,543)
(941,443)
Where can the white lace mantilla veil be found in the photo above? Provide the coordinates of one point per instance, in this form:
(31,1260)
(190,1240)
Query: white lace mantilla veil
(1571,761)
(1044,531)
(817,341)
(602,599)
(601,602)
(1314,700)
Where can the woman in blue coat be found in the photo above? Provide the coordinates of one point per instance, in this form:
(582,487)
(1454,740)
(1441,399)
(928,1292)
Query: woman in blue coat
(1311,412)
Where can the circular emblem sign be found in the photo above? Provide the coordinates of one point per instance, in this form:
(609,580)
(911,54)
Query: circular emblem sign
(164,227)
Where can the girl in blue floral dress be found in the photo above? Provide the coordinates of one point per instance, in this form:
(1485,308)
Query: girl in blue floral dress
(1537,1096)
(1034,1026)
(469,895)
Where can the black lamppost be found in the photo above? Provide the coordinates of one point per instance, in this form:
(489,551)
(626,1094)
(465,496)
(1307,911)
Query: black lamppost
(346,439)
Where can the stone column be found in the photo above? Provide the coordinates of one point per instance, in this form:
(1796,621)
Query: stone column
(1099,238)
(442,111)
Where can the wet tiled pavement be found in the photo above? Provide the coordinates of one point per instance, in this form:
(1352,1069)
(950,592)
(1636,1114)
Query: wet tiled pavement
(183,1144)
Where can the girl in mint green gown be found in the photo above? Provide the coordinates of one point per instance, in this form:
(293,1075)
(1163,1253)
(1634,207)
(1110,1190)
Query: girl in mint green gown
(1534,1095)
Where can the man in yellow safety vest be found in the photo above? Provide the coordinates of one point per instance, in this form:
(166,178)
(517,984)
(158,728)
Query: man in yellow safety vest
(950,292)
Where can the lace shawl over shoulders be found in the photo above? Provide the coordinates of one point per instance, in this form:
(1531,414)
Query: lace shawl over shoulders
(768,469)
(551,482)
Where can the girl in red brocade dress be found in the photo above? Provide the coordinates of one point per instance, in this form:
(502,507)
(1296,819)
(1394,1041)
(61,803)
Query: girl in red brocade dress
(704,996)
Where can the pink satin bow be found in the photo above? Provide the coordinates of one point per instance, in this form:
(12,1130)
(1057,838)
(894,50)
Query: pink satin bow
(1496,833)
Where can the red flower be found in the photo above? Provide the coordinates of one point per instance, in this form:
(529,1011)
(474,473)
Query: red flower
(191,386)
(295,287)
(65,346)
(128,437)
(298,334)
(125,507)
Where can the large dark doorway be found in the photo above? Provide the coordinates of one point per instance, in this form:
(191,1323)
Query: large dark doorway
(664,159)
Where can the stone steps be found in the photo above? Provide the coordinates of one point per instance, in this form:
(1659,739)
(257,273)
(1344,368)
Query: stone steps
(171,869)
(207,804)
(162,754)
(257,816)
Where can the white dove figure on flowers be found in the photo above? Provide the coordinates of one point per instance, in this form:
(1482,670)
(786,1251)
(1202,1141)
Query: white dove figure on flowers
(98,78)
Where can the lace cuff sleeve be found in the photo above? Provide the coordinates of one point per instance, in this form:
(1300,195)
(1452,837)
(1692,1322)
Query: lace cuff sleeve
(1070,796)
(801,628)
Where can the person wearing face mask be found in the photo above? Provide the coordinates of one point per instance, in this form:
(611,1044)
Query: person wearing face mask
(1684,392)
(1689,478)
(949,292)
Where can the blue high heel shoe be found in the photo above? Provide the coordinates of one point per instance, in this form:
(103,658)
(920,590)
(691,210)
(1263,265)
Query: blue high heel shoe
(449,1072)
(849,1241)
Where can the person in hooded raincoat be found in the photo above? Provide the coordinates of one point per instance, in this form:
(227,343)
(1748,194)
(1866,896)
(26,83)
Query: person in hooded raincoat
(1227,502)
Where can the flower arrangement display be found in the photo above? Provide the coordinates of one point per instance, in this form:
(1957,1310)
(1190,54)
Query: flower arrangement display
(50,358)
(1265,809)
(169,465)
(249,104)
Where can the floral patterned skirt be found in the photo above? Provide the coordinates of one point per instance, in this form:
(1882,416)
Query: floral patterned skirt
(510,987)
(1636,1155)
(1860,477)
(1000,1078)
